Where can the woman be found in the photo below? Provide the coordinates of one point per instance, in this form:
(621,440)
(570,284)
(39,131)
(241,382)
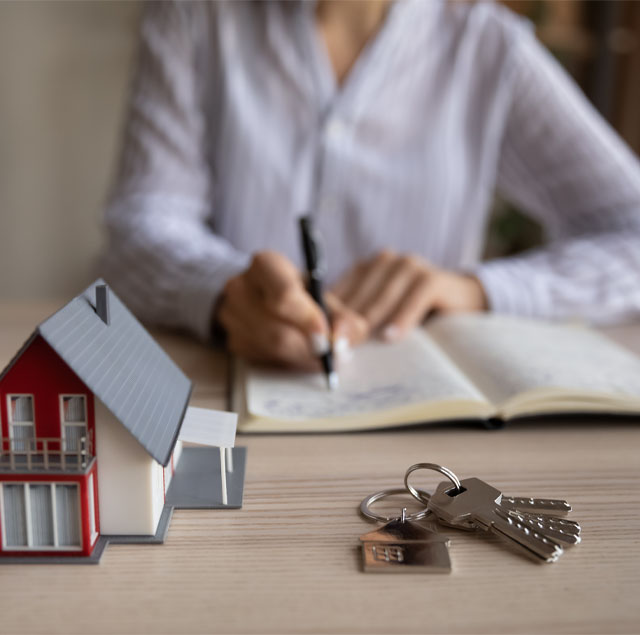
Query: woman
(392,124)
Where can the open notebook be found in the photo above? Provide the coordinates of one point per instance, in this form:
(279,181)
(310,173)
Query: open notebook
(458,367)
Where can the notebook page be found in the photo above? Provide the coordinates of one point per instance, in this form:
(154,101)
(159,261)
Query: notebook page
(505,356)
(381,376)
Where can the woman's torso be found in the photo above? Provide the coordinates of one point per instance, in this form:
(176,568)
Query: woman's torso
(404,152)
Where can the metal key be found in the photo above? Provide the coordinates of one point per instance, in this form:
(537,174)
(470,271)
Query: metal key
(542,511)
(538,506)
(480,504)
(558,529)
(539,513)
(544,515)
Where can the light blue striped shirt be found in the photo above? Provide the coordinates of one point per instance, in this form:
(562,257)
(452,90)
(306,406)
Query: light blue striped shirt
(235,108)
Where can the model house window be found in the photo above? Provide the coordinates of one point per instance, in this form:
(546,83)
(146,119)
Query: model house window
(67,515)
(14,528)
(40,516)
(21,422)
(41,507)
(74,421)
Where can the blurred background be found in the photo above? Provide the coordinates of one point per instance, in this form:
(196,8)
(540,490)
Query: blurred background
(64,73)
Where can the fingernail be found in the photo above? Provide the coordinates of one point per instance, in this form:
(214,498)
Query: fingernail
(341,345)
(342,350)
(319,343)
(391,333)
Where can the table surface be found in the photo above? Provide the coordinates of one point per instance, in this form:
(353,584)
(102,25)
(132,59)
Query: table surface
(288,561)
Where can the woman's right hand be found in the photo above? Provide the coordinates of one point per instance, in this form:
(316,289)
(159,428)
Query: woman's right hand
(269,316)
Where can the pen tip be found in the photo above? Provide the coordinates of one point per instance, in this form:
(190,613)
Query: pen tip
(332,380)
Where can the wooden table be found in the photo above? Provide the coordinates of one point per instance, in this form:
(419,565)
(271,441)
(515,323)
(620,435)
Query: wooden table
(289,560)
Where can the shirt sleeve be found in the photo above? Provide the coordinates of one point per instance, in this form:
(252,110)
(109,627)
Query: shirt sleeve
(564,164)
(163,259)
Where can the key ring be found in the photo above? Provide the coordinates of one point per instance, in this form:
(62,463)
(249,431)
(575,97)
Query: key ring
(419,495)
(365,506)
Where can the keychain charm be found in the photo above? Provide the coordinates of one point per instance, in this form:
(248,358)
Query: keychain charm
(402,545)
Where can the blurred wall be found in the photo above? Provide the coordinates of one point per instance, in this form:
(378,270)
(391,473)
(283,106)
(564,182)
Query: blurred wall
(64,73)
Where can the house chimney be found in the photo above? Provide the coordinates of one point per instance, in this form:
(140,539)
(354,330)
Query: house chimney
(102,303)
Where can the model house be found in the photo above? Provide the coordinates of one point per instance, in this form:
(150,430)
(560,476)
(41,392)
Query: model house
(92,416)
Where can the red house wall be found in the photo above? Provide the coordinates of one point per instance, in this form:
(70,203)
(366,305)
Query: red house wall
(42,373)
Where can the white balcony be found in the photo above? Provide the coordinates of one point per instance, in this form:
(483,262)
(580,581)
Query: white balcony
(45,454)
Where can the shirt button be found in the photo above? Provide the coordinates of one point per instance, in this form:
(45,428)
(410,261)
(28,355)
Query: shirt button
(335,129)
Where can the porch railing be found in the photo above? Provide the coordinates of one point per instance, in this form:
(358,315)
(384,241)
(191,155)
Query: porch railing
(39,453)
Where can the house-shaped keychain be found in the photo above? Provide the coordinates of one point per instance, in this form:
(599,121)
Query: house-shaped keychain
(93,414)
(402,546)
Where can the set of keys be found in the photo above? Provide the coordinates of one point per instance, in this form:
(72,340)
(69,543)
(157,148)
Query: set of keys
(536,527)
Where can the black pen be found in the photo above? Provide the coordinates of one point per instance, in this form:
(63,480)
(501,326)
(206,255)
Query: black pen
(313,261)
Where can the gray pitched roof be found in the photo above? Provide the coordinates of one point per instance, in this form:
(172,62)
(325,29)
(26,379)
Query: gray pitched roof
(124,367)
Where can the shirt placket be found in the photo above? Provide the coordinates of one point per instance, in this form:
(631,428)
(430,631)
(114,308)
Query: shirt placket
(337,108)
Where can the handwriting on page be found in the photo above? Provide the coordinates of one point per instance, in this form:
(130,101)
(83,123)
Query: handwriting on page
(380,377)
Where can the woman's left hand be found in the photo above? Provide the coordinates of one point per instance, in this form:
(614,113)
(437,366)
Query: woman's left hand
(395,292)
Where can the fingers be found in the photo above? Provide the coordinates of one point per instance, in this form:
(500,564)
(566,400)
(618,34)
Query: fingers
(279,344)
(377,288)
(279,285)
(255,334)
(368,287)
(400,278)
(346,323)
(412,307)
(363,282)
(346,286)
(434,290)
